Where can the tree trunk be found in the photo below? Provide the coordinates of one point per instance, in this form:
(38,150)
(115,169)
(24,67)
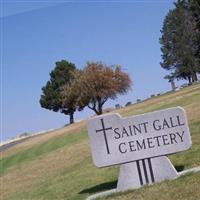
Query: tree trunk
(71,118)
(194,77)
(97,106)
(100,111)
(189,80)
(173,85)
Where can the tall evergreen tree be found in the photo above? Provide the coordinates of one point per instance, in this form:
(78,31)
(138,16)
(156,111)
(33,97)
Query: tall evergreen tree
(194,6)
(51,97)
(180,42)
(195,9)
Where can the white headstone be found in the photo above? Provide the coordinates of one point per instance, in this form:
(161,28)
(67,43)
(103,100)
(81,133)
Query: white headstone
(144,139)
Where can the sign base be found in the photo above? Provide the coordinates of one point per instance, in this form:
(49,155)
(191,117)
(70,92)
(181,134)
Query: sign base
(146,171)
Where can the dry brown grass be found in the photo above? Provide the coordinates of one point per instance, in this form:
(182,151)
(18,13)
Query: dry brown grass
(156,102)
(28,175)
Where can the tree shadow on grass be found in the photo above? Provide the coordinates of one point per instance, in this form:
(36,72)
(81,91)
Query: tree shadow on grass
(99,188)
(113,184)
(179,168)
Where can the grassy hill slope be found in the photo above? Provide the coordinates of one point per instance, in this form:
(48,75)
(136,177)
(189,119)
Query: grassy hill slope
(58,165)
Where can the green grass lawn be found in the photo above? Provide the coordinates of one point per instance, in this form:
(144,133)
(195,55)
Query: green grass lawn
(60,166)
(185,187)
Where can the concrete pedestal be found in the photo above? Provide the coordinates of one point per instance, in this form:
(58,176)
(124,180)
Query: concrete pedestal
(147,171)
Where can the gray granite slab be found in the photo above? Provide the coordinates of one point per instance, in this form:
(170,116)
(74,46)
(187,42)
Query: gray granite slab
(116,140)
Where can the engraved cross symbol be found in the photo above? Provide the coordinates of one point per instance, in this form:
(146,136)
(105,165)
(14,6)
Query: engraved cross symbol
(104,133)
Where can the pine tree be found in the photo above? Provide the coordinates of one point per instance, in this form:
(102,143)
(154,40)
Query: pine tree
(180,42)
(51,97)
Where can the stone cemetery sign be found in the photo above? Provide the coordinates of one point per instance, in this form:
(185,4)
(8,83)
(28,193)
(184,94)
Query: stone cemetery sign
(139,144)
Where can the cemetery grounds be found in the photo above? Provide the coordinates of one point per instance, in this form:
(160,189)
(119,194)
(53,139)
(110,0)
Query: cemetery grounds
(58,165)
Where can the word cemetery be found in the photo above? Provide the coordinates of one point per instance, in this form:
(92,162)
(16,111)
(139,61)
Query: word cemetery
(145,143)
(139,144)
